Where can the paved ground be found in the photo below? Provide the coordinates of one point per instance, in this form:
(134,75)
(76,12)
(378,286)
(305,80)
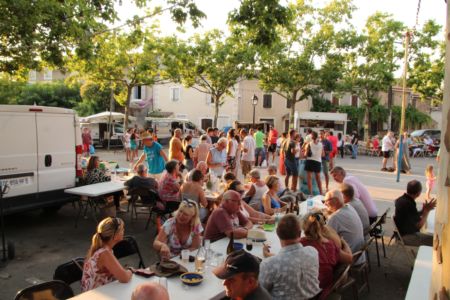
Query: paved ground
(44,241)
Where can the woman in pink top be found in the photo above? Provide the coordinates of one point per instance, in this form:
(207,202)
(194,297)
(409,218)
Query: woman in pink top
(101,266)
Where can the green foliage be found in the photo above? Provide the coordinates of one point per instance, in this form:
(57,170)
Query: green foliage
(354,114)
(49,94)
(259,21)
(209,63)
(44,30)
(415,119)
(321,104)
(95,99)
(426,75)
(9,91)
(307,56)
(371,63)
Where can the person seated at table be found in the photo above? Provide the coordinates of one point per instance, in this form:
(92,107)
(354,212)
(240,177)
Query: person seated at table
(270,201)
(169,186)
(227,219)
(409,220)
(329,254)
(96,175)
(240,273)
(345,221)
(142,180)
(101,266)
(150,291)
(180,232)
(349,198)
(253,215)
(229,177)
(293,273)
(257,189)
(193,190)
(283,193)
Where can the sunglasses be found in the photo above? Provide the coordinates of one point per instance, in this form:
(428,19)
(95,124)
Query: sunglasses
(190,203)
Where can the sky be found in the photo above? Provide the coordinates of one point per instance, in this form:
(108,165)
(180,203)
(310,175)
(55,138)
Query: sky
(217,12)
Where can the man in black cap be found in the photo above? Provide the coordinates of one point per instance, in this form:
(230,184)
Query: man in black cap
(240,274)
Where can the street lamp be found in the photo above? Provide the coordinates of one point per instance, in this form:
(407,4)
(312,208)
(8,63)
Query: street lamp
(254,103)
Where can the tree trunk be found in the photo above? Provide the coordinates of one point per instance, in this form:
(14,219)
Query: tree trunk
(127,108)
(216,109)
(292,113)
(367,123)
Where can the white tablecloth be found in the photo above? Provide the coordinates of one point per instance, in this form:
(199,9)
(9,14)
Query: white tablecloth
(419,285)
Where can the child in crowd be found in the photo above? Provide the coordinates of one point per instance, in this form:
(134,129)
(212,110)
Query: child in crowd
(431,179)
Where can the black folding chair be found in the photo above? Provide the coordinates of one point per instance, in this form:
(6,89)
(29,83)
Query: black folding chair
(341,284)
(70,272)
(50,290)
(376,231)
(143,198)
(127,247)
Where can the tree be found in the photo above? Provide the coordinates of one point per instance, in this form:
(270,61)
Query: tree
(371,64)
(426,75)
(49,94)
(354,114)
(307,57)
(95,99)
(121,62)
(259,21)
(209,64)
(46,30)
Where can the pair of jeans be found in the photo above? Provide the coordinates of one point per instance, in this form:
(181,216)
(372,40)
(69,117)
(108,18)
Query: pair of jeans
(354,151)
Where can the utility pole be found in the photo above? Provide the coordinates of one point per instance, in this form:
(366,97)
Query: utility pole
(402,120)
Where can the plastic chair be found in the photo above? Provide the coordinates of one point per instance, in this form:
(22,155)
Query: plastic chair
(50,290)
(70,272)
(376,231)
(127,247)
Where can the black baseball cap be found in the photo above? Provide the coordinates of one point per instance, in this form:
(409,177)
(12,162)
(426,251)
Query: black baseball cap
(237,262)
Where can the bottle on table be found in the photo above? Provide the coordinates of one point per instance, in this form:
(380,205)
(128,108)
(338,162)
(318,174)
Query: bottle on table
(230,247)
(297,207)
(200,259)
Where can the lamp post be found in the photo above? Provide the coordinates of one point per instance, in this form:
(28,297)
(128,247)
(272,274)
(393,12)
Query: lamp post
(254,103)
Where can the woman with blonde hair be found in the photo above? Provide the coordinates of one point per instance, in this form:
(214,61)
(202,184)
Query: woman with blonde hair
(180,232)
(257,189)
(101,266)
(324,240)
(270,200)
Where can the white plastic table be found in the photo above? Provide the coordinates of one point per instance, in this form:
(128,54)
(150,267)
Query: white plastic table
(97,189)
(209,288)
(419,285)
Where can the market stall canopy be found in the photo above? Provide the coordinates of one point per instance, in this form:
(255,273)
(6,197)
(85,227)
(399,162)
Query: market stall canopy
(103,117)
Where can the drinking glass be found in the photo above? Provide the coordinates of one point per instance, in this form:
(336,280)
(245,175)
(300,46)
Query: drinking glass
(249,244)
(185,256)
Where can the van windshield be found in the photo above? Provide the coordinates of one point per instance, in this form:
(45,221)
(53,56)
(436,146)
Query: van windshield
(118,128)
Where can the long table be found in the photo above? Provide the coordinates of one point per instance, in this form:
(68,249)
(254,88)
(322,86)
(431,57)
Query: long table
(419,285)
(211,286)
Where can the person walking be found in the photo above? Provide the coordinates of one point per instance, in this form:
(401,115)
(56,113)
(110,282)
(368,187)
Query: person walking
(272,141)
(248,152)
(340,144)
(290,162)
(314,153)
(259,137)
(154,154)
(387,146)
(232,146)
(87,141)
(354,142)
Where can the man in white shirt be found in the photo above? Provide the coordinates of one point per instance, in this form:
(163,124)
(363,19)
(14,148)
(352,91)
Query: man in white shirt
(349,198)
(248,152)
(387,146)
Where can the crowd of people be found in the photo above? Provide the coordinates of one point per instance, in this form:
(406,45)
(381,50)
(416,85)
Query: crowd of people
(305,266)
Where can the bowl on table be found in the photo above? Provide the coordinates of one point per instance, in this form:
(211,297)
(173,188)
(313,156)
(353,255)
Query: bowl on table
(191,278)
(238,246)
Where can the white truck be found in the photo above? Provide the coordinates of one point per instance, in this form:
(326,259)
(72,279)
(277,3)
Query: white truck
(40,155)
(336,122)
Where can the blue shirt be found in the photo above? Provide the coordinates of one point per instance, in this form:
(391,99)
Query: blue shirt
(273,204)
(154,159)
(327,148)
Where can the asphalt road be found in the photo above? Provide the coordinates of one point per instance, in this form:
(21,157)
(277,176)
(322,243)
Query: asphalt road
(43,241)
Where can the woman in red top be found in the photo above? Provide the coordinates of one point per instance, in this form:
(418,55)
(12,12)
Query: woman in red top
(331,252)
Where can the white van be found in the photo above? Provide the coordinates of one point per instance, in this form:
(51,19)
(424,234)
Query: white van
(164,127)
(40,155)
(99,133)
